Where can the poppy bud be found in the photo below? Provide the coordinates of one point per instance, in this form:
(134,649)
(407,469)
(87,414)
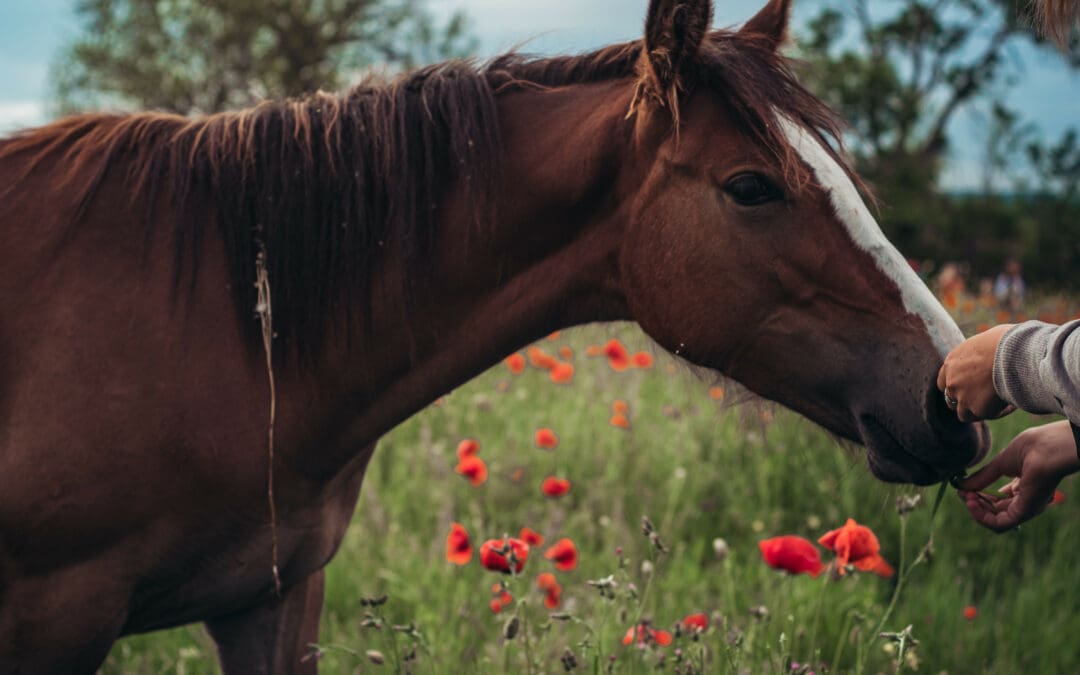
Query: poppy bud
(511,627)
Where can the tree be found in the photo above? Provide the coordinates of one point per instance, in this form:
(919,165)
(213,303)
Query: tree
(201,56)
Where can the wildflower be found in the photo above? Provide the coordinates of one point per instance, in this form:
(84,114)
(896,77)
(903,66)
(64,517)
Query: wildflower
(541,359)
(494,554)
(647,635)
(473,468)
(458,546)
(619,420)
(982,328)
(554,336)
(501,594)
(1059,497)
(594,350)
(517,475)
(620,407)
(562,373)
(516,363)
(970,612)
(566,353)
(856,544)
(551,588)
(467,448)
(792,554)
(495,606)
(618,357)
(643,360)
(696,622)
(716,393)
(564,554)
(531,536)
(720,549)
(545,438)
(555,487)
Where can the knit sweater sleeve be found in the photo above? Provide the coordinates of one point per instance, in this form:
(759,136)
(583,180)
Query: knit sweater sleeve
(1037,368)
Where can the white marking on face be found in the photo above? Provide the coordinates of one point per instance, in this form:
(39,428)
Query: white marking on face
(867,235)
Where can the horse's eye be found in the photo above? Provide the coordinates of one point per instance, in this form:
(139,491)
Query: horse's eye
(751,189)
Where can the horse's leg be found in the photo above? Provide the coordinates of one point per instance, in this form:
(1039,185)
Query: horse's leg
(274,637)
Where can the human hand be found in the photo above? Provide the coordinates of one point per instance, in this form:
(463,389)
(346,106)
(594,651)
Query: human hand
(1038,458)
(967,377)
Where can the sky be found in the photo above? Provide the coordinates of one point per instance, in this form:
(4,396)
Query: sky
(32,32)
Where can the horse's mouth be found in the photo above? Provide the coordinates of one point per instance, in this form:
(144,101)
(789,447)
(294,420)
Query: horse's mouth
(891,462)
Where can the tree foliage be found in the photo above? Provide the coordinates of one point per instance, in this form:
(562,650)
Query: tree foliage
(192,56)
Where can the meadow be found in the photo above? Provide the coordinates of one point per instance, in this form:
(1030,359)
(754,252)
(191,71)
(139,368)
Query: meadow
(715,472)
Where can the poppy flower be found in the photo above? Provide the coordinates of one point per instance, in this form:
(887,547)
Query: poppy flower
(516,363)
(495,606)
(970,612)
(517,475)
(1059,497)
(555,487)
(566,353)
(555,336)
(458,546)
(792,554)
(501,594)
(618,357)
(492,557)
(551,588)
(696,622)
(562,373)
(716,393)
(647,635)
(545,438)
(643,360)
(564,554)
(467,448)
(620,407)
(541,359)
(594,350)
(619,420)
(856,544)
(982,328)
(473,468)
(531,536)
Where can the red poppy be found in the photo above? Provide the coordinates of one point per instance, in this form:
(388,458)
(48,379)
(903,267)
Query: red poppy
(473,468)
(555,336)
(618,357)
(643,360)
(492,558)
(562,373)
(566,353)
(467,448)
(501,594)
(696,622)
(545,438)
(458,546)
(564,554)
(531,536)
(555,487)
(647,635)
(1059,497)
(716,393)
(619,420)
(970,612)
(620,407)
(856,544)
(541,359)
(551,588)
(792,554)
(594,350)
(495,606)
(516,363)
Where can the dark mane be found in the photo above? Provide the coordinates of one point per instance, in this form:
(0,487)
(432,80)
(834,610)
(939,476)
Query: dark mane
(328,182)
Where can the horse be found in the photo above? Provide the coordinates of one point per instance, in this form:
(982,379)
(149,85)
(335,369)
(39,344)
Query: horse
(206,324)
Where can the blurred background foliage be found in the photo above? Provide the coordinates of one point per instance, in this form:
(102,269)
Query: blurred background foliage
(898,70)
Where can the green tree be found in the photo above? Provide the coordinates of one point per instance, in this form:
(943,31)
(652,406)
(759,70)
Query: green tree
(200,56)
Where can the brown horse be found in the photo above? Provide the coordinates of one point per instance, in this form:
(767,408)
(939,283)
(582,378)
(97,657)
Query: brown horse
(413,233)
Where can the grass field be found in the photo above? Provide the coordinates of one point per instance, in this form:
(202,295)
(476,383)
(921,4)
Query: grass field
(700,469)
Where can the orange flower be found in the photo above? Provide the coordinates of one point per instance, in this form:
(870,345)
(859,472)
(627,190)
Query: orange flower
(696,622)
(716,393)
(564,554)
(1002,316)
(492,558)
(1059,497)
(458,546)
(516,363)
(619,420)
(647,635)
(643,360)
(467,448)
(517,475)
(620,407)
(792,554)
(970,612)
(562,373)
(554,336)
(856,544)
(555,487)
(982,328)
(566,353)
(618,357)
(501,594)
(541,359)
(545,438)
(495,606)
(551,588)
(597,350)
(473,468)
(531,536)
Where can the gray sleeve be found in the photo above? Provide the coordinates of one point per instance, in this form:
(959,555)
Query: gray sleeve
(1037,368)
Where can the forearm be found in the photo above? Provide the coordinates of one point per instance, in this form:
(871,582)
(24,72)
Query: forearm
(1037,368)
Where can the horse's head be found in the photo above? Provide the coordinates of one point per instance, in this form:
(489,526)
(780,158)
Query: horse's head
(750,251)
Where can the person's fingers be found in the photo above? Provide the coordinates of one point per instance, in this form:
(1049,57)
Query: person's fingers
(985,511)
(941,378)
(1020,509)
(984,477)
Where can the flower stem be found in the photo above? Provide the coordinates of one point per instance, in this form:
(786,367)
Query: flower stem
(817,616)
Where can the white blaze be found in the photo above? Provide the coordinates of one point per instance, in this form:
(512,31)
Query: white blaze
(867,235)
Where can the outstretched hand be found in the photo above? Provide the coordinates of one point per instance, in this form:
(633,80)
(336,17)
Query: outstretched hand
(967,377)
(1038,459)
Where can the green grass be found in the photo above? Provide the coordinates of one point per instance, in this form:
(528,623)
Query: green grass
(700,470)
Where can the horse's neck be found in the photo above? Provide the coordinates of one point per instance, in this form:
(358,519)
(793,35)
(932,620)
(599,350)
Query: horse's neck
(550,260)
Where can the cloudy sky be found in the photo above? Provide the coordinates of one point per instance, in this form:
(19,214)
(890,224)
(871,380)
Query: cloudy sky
(32,32)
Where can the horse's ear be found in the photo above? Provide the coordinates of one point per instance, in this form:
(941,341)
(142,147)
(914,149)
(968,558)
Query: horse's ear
(674,31)
(771,22)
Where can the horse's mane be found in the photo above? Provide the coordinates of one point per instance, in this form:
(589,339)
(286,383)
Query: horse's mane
(327,182)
